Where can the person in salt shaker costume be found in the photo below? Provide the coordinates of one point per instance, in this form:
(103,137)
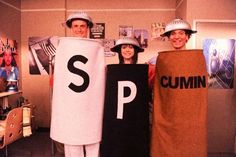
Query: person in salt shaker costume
(77,146)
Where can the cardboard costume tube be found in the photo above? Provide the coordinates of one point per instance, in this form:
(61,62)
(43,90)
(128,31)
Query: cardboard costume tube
(126,120)
(78,92)
(180,105)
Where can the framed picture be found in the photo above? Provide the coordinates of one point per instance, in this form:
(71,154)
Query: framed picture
(125,31)
(142,36)
(98,31)
(9,59)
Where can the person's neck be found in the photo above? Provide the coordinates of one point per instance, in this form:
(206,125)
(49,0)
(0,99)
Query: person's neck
(128,61)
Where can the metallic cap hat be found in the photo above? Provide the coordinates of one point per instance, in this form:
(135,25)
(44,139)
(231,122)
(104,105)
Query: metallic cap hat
(78,16)
(177,24)
(128,41)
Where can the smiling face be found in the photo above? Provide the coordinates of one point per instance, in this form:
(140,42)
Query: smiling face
(79,28)
(178,39)
(127,52)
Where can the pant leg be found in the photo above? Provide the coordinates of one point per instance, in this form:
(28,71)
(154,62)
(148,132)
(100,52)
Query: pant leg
(74,150)
(92,150)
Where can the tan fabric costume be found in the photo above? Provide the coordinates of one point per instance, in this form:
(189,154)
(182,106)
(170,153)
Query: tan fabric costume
(180,105)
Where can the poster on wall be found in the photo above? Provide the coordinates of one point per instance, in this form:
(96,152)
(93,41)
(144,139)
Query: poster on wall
(157,28)
(220,56)
(107,45)
(9,61)
(142,36)
(41,51)
(125,31)
(98,31)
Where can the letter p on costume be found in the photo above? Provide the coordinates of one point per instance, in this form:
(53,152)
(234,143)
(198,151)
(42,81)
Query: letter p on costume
(121,99)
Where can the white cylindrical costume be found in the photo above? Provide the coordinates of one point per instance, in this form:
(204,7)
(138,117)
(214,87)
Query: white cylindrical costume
(78,92)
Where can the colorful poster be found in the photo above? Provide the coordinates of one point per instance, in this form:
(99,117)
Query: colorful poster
(142,36)
(9,59)
(98,31)
(220,56)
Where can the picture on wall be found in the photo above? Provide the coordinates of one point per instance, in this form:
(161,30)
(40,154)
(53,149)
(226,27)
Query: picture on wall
(157,29)
(9,61)
(125,31)
(107,45)
(41,50)
(142,36)
(98,31)
(220,56)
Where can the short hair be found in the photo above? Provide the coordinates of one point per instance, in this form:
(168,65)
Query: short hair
(69,23)
(187,32)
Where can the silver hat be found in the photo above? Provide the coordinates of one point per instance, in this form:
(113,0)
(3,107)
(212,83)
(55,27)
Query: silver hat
(126,40)
(177,24)
(80,16)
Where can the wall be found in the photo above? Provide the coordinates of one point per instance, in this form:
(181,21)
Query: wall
(216,19)
(140,15)
(10,21)
(181,9)
(39,19)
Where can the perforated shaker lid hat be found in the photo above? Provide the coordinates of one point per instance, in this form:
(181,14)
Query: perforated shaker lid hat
(177,24)
(80,16)
(126,40)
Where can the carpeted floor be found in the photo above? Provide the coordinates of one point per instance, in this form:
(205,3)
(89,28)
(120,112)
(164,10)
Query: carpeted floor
(221,155)
(37,145)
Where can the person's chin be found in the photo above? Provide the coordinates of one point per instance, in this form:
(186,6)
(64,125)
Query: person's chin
(178,46)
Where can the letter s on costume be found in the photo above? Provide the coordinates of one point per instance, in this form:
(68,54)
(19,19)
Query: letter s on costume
(80,72)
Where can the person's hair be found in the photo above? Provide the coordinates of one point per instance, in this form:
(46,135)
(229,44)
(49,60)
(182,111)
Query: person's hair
(13,62)
(187,32)
(69,23)
(134,58)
